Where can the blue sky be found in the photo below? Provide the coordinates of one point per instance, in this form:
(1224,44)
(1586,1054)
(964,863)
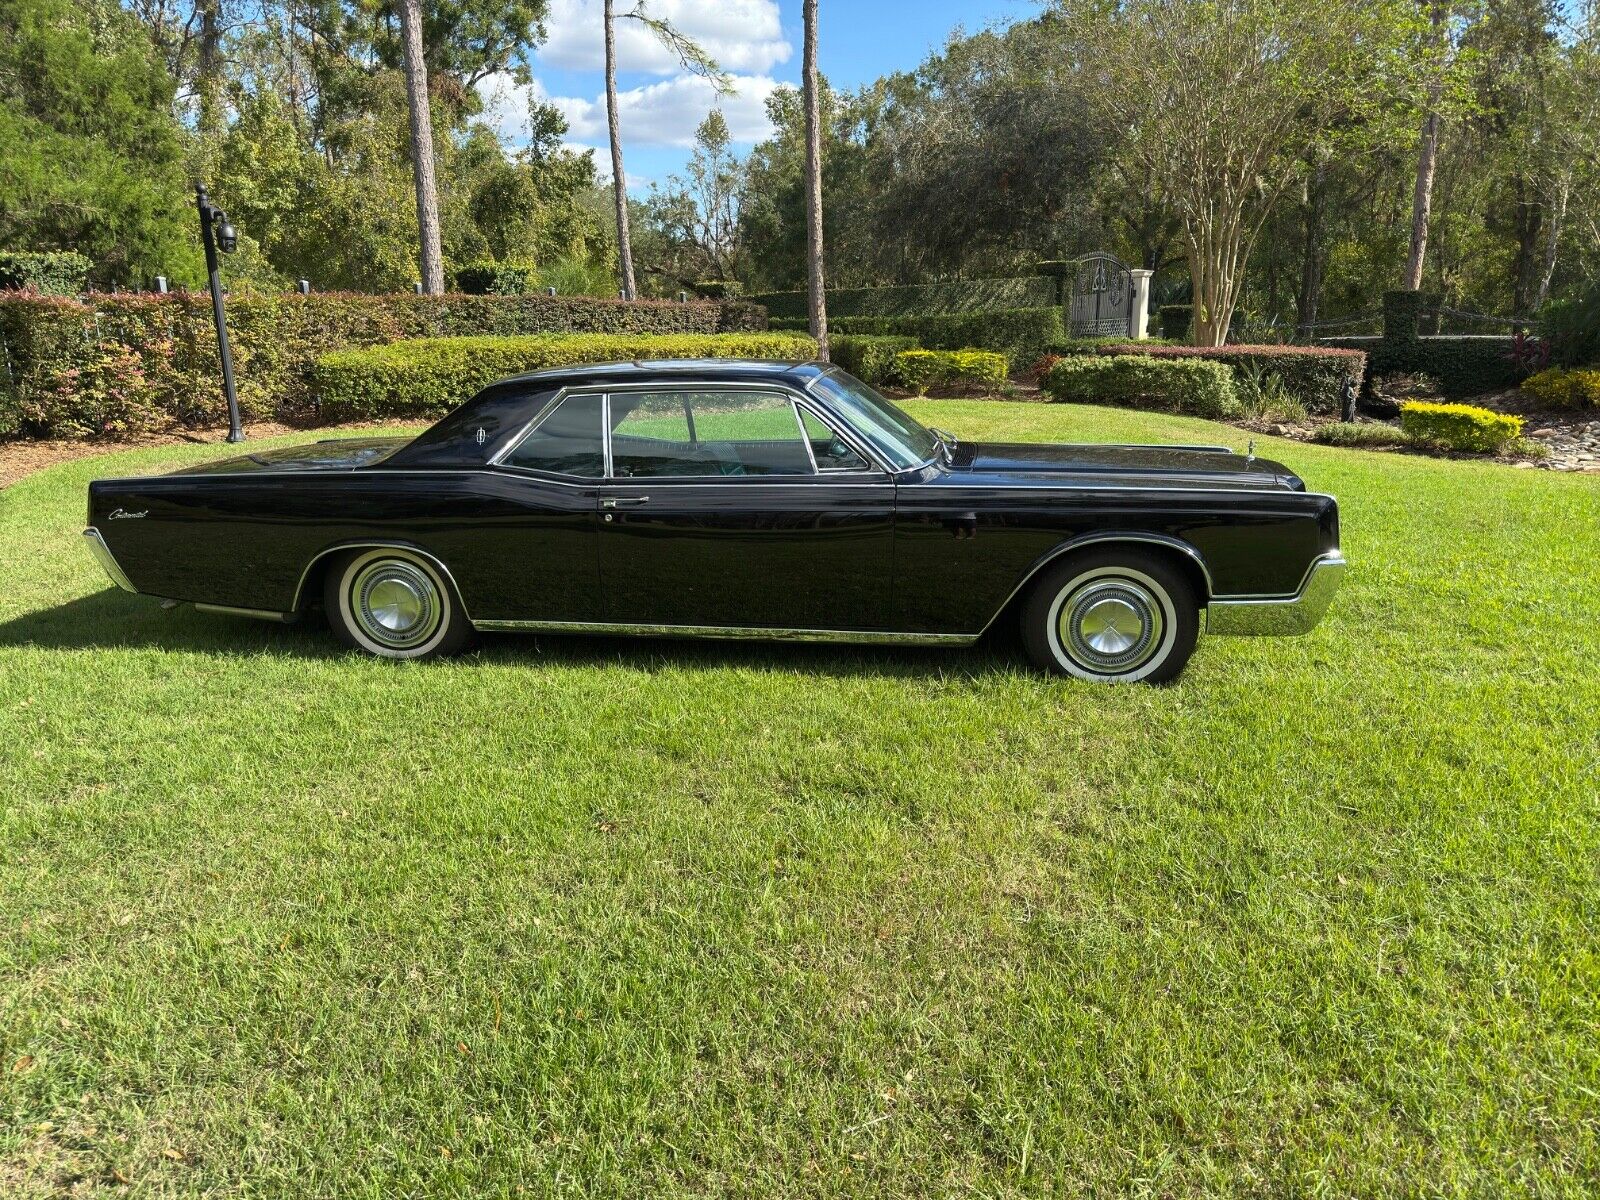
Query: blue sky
(757,41)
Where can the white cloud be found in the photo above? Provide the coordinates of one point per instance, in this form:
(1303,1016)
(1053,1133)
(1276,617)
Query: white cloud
(742,35)
(667,113)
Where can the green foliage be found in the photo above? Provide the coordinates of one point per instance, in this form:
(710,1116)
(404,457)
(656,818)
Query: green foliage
(429,376)
(71,365)
(1176,321)
(1558,387)
(869,357)
(1573,327)
(1402,314)
(1353,434)
(93,157)
(922,369)
(1183,385)
(928,299)
(718,289)
(498,279)
(1460,426)
(1021,334)
(53,273)
(1313,375)
(1464,366)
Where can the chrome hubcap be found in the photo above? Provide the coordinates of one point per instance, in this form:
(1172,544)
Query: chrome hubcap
(1111,625)
(396,603)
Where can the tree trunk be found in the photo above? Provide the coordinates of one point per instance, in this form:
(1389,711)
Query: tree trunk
(817,301)
(1528,221)
(619,179)
(431,257)
(1552,240)
(1427,161)
(1313,262)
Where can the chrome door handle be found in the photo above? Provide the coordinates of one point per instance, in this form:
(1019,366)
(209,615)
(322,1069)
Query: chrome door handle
(619,501)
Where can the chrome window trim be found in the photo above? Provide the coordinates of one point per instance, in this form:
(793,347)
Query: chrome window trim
(805,439)
(1092,539)
(876,456)
(497,459)
(733,632)
(108,561)
(378,544)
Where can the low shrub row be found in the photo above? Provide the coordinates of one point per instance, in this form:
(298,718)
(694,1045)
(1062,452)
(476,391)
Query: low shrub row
(1463,366)
(1021,334)
(869,357)
(926,299)
(118,364)
(922,369)
(429,376)
(1353,435)
(1314,375)
(1562,388)
(1460,426)
(1185,385)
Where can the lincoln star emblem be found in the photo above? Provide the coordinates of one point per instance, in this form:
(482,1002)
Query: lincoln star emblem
(122,514)
(482,436)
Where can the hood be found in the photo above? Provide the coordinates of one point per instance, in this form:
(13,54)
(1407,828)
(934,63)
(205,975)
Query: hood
(1182,464)
(334,454)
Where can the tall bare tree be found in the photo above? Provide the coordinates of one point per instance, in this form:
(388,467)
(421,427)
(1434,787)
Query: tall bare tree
(694,60)
(816,296)
(431,257)
(1427,161)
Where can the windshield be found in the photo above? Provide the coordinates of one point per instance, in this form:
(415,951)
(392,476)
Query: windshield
(895,435)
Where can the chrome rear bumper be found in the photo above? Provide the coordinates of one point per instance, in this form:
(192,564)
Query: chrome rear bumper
(103,556)
(1282,616)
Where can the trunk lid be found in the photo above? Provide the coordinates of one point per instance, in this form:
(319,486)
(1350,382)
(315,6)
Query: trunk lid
(332,454)
(1154,465)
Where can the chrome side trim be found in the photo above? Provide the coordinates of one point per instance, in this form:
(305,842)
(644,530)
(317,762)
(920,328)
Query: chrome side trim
(260,614)
(737,632)
(300,587)
(1281,616)
(1090,539)
(107,560)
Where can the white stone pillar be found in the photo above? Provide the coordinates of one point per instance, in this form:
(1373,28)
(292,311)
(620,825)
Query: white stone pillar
(1141,303)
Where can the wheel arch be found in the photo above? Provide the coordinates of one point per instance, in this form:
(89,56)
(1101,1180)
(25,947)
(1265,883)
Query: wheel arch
(315,572)
(1175,550)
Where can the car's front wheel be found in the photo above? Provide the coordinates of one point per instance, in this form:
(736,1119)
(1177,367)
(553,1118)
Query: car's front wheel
(1112,616)
(393,603)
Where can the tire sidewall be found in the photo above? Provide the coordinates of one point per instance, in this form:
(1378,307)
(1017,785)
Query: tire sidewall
(341,612)
(1180,617)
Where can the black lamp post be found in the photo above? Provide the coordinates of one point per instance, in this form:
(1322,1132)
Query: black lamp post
(217,233)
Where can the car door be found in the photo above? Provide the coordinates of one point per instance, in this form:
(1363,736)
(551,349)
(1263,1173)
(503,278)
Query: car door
(740,508)
(534,556)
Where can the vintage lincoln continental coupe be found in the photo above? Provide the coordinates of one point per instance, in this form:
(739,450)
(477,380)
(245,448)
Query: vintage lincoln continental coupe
(733,499)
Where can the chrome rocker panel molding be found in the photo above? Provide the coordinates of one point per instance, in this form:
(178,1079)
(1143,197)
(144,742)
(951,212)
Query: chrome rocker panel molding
(259,614)
(732,632)
(107,560)
(1280,616)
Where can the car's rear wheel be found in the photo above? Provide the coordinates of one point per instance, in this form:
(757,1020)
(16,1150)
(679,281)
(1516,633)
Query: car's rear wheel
(1112,616)
(394,604)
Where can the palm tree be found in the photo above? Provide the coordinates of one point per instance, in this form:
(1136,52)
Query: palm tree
(694,60)
(416,68)
(817,302)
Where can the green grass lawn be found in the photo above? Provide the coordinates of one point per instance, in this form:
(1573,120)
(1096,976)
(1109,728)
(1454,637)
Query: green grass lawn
(624,918)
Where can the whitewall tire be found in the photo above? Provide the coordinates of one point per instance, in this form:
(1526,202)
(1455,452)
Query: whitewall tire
(393,603)
(1112,615)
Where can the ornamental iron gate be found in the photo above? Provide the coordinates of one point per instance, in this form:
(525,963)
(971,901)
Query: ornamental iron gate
(1102,297)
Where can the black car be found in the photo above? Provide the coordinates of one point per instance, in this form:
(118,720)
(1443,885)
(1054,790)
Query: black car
(733,499)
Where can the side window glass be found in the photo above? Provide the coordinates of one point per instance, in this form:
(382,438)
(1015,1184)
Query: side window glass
(567,442)
(700,433)
(831,452)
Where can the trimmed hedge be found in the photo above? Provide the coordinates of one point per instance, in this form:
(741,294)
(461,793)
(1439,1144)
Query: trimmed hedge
(922,369)
(498,279)
(1460,426)
(1314,375)
(51,273)
(429,376)
(869,357)
(916,300)
(1464,366)
(1185,385)
(1561,388)
(1348,433)
(119,364)
(1177,320)
(1021,334)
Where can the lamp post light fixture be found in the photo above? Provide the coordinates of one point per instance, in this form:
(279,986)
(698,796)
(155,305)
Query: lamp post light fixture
(218,233)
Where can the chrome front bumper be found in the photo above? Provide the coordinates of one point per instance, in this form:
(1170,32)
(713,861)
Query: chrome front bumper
(1281,616)
(108,562)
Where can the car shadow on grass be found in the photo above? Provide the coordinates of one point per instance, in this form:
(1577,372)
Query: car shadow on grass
(114,620)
